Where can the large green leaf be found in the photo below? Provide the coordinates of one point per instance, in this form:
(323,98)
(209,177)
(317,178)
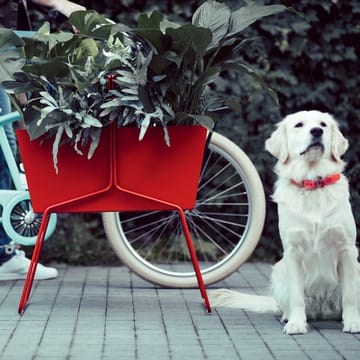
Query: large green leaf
(91,23)
(12,56)
(204,120)
(189,35)
(160,64)
(32,115)
(50,69)
(150,22)
(214,16)
(197,89)
(52,39)
(210,75)
(87,47)
(149,28)
(229,51)
(245,16)
(22,83)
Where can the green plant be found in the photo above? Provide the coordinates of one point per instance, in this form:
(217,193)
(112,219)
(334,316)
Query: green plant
(313,41)
(161,72)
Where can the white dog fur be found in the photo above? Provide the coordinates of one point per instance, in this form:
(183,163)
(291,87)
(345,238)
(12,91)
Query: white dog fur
(318,276)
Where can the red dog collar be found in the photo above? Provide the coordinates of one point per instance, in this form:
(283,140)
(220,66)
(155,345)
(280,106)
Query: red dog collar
(318,183)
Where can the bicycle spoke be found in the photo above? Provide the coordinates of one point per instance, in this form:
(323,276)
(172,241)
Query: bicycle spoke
(19,223)
(152,224)
(219,224)
(138,216)
(153,227)
(211,222)
(208,238)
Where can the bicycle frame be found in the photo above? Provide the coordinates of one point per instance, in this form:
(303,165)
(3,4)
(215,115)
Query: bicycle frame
(10,199)
(6,149)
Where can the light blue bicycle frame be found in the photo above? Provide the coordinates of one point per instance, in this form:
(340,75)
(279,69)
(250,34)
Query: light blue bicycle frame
(18,219)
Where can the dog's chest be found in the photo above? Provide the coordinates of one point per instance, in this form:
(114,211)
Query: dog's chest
(321,252)
(310,208)
(317,223)
(318,207)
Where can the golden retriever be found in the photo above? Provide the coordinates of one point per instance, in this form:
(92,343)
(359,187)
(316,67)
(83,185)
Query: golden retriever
(318,276)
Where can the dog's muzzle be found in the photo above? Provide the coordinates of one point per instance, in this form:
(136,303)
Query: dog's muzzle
(316,142)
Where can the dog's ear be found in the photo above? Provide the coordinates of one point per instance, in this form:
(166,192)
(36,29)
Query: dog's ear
(277,144)
(339,144)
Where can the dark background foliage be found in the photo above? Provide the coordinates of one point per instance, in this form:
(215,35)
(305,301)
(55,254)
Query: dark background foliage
(309,56)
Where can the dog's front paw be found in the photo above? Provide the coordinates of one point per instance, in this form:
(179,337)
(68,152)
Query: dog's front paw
(352,326)
(294,327)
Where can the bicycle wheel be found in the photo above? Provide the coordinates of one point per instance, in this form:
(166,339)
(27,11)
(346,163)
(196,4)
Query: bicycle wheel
(225,224)
(21,224)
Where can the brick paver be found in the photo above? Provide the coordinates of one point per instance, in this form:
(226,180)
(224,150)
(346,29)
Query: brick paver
(109,313)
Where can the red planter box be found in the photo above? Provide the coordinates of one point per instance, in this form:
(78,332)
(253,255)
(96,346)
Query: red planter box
(121,165)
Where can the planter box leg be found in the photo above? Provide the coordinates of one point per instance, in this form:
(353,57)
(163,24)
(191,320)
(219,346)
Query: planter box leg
(194,260)
(40,241)
(33,264)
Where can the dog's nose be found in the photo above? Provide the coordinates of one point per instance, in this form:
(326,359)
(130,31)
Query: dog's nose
(316,132)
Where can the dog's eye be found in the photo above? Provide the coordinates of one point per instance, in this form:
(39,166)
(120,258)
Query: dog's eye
(322,124)
(299,124)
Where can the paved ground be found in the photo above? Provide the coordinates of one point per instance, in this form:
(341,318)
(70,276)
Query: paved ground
(109,313)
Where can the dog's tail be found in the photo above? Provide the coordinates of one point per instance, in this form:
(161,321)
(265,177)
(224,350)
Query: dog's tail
(234,299)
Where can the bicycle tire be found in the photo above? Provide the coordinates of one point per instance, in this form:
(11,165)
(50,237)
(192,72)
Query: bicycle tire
(224,233)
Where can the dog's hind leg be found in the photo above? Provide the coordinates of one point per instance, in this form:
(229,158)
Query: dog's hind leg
(349,272)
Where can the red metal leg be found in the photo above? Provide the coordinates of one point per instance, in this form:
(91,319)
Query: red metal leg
(194,260)
(33,264)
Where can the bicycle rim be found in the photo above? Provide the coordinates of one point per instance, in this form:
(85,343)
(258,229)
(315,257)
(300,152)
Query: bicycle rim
(225,224)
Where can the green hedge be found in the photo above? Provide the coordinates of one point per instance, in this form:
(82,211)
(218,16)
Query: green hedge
(309,55)
(311,58)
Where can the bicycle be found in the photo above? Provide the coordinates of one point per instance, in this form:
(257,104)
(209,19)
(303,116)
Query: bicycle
(18,219)
(225,224)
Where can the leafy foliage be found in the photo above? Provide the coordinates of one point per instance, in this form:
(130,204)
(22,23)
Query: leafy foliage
(67,78)
(161,72)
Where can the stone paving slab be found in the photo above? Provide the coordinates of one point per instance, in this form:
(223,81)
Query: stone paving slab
(110,313)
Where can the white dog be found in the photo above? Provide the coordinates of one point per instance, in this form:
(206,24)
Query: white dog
(318,276)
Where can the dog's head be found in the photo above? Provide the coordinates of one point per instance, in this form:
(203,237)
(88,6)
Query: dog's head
(311,135)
